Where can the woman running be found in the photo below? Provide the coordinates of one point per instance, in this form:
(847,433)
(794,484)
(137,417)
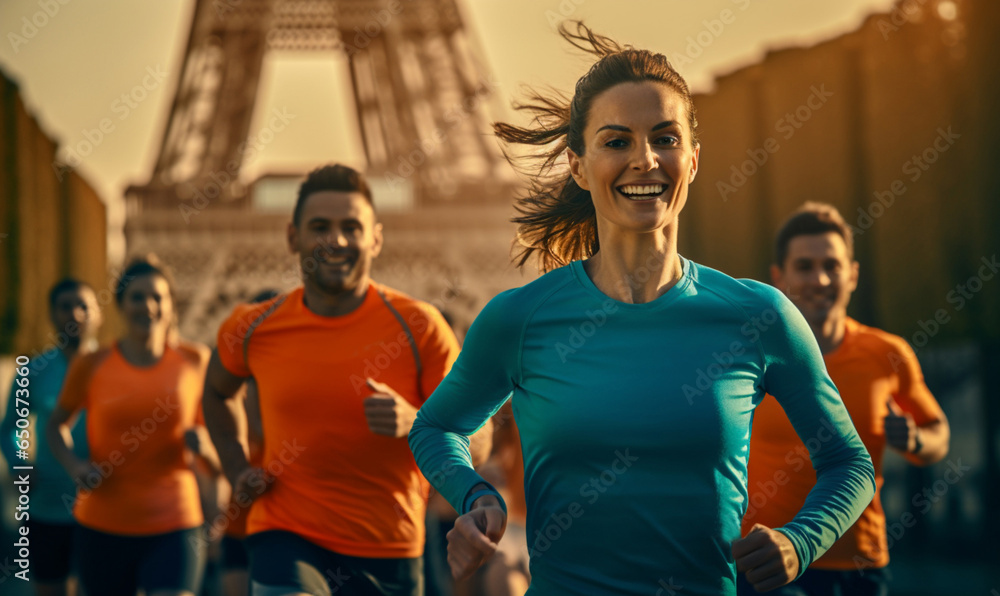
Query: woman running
(634,372)
(137,497)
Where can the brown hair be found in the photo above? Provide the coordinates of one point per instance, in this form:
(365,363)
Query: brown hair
(812,218)
(557,221)
(138,267)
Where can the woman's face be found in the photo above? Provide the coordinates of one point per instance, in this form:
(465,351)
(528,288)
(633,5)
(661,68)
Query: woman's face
(639,157)
(146,305)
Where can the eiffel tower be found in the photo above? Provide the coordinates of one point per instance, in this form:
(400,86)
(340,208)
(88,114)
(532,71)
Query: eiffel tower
(423,102)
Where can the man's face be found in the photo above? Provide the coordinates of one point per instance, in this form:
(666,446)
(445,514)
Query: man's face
(76,314)
(336,238)
(818,276)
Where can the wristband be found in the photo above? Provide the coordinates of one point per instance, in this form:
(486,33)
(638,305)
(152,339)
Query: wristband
(469,500)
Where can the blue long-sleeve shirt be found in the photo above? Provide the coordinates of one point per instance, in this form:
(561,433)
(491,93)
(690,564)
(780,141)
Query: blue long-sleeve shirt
(635,423)
(52,491)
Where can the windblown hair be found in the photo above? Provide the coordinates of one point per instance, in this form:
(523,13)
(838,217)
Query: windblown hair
(812,218)
(557,222)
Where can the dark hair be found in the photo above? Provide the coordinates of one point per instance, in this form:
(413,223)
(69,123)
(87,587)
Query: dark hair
(264,296)
(331,177)
(557,220)
(812,218)
(139,267)
(67,284)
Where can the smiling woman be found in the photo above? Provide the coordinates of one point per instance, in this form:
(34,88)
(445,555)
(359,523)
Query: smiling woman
(137,496)
(650,325)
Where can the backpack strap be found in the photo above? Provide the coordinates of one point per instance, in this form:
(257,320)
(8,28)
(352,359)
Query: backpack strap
(256,323)
(413,342)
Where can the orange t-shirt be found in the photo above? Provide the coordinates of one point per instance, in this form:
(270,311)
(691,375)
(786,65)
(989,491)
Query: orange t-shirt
(136,418)
(869,367)
(337,484)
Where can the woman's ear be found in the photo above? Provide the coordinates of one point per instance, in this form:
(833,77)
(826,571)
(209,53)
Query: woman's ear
(694,163)
(576,169)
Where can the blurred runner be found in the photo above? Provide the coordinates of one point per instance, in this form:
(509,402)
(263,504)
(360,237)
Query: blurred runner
(76,317)
(137,498)
(341,365)
(881,384)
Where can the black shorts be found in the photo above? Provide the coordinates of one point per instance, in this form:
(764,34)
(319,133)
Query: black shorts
(823,582)
(233,554)
(283,559)
(51,559)
(113,564)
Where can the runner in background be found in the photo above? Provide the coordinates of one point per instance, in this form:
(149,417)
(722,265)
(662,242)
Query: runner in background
(341,365)
(880,381)
(137,499)
(76,318)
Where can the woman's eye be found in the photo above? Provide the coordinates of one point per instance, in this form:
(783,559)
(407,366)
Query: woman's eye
(615,143)
(667,140)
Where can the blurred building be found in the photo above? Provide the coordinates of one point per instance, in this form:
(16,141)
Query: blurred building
(896,124)
(423,102)
(52,225)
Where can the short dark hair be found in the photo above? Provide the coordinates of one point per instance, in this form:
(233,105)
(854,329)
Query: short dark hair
(812,218)
(66,284)
(335,177)
(147,265)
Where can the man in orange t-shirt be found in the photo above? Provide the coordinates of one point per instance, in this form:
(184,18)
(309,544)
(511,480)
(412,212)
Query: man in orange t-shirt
(883,389)
(341,365)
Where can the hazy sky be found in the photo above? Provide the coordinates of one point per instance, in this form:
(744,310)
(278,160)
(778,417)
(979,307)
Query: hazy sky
(75,64)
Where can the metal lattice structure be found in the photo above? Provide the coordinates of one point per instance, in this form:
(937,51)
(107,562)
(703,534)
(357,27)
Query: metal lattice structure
(423,103)
(415,74)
